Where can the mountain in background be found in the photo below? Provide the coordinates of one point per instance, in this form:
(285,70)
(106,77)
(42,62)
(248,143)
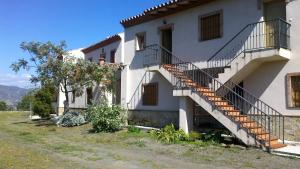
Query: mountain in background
(12,94)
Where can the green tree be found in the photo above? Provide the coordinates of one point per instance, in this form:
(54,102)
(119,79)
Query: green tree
(42,102)
(54,66)
(3,106)
(24,104)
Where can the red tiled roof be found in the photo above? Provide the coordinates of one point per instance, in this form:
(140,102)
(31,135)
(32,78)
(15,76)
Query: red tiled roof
(107,41)
(161,10)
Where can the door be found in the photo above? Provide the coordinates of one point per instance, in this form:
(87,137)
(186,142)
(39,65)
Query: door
(166,42)
(273,11)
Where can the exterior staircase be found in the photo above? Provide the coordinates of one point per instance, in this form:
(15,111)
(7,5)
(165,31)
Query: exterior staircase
(245,122)
(251,120)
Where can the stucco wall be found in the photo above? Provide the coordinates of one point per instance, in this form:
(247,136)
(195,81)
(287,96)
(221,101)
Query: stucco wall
(95,54)
(186,44)
(268,82)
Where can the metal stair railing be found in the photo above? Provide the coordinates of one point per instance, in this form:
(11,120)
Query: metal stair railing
(260,114)
(272,34)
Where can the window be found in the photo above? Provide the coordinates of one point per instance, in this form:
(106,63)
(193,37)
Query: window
(150,94)
(293,86)
(73,96)
(89,93)
(112,56)
(90,59)
(140,41)
(211,26)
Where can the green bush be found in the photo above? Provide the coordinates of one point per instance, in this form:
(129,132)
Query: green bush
(3,106)
(170,135)
(212,137)
(133,129)
(42,102)
(41,109)
(193,136)
(105,118)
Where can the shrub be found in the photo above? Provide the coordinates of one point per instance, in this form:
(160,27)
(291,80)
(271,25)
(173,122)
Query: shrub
(42,102)
(213,137)
(193,136)
(41,108)
(170,135)
(105,118)
(3,106)
(133,129)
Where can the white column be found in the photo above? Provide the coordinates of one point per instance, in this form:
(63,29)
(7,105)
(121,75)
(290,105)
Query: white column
(185,114)
(124,86)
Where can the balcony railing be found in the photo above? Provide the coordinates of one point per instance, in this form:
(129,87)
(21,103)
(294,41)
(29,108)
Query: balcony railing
(264,35)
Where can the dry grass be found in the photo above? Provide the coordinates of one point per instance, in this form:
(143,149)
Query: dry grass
(27,144)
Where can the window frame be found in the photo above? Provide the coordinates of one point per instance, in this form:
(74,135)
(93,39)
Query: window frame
(73,96)
(200,37)
(290,103)
(114,56)
(137,41)
(156,95)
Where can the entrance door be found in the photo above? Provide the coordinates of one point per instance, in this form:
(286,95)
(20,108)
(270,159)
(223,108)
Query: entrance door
(272,11)
(166,42)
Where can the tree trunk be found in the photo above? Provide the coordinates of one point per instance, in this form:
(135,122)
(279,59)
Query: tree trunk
(66,102)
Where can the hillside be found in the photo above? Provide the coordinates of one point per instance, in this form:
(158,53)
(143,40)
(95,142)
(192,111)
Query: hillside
(12,94)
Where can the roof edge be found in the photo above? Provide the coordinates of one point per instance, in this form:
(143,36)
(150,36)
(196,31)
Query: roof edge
(105,42)
(162,10)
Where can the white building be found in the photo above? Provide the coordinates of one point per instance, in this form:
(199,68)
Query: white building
(211,63)
(80,101)
(109,50)
(185,58)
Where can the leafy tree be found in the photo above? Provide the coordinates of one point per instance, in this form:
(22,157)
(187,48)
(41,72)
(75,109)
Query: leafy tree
(24,104)
(42,101)
(54,66)
(3,106)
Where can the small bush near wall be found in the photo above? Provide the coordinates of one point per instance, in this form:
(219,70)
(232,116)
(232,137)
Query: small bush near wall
(170,135)
(133,129)
(105,118)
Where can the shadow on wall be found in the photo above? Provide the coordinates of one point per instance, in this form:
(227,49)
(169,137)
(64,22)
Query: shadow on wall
(260,80)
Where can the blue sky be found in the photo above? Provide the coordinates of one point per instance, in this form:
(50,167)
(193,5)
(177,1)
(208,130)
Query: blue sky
(79,22)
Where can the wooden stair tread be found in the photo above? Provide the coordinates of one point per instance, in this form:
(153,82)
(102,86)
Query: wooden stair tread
(245,121)
(266,139)
(235,111)
(276,146)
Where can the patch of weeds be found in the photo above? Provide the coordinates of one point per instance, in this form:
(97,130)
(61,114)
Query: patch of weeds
(170,135)
(247,165)
(234,149)
(24,133)
(65,148)
(27,136)
(118,157)
(139,143)
(133,129)
(189,152)
(207,158)
(94,158)
(52,129)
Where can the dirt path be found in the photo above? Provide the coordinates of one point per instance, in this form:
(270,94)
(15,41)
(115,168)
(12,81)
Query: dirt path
(26,144)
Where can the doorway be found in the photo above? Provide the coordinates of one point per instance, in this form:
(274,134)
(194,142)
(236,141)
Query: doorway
(166,42)
(272,11)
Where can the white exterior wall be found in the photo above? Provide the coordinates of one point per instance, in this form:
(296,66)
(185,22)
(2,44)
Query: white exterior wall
(269,81)
(95,55)
(80,102)
(186,44)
